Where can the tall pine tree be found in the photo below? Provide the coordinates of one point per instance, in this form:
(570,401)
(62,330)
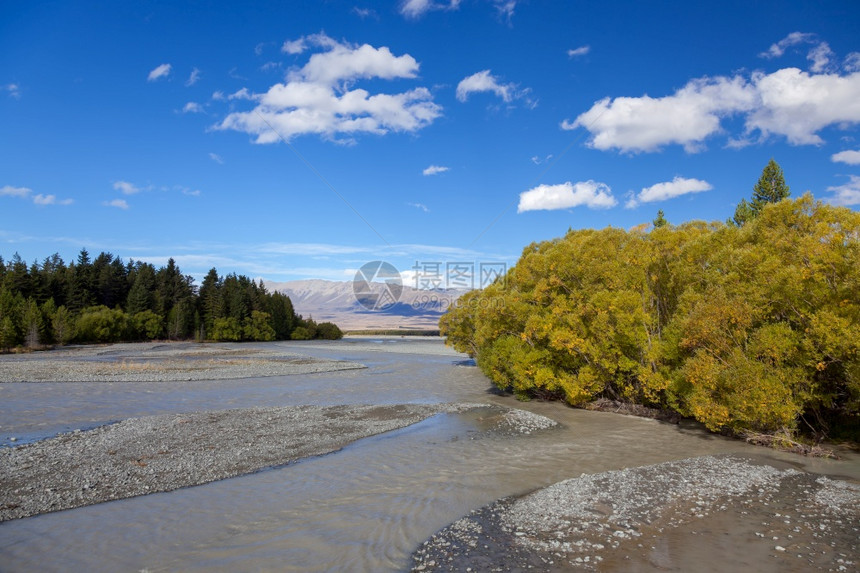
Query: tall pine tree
(770,188)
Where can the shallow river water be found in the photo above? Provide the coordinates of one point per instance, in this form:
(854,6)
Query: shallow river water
(365,508)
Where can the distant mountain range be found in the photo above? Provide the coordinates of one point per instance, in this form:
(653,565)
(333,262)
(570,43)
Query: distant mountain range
(336,301)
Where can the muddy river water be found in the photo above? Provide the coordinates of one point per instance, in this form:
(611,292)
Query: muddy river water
(364,508)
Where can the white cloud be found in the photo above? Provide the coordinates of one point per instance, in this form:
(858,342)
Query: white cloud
(318,98)
(347,63)
(192,107)
(219,96)
(797,104)
(363,12)
(417,8)
(537,160)
(421,206)
(161,71)
(294,46)
(645,124)
(50,200)
(788,102)
(505,9)
(434,170)
(848,156)
(852,62)
(668,190)
(848,194)
(241,94)
(793,39)
(589,193)
(820,57)
(118,203)
(484,81)
(193,78)
(126,187)
(9,191)
(580,51)
(13,89)
(819,54)
(38,199)
(304,43)
(216,158)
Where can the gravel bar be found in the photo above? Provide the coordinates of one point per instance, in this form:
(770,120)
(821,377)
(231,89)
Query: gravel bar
(152,454)
(161,362)
(721,512)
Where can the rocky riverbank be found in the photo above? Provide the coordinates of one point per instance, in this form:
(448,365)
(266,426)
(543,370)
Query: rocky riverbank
(749,515)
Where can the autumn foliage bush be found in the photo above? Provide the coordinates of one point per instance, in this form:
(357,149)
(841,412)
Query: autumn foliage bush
(744,328)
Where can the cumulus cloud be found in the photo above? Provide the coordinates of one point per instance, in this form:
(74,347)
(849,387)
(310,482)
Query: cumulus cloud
(27,193)
(216,158)
(820,56)
(40,199)
(580,51)
(9,191)
(193,78)
(304,43)
(126,188)
(160,72)
(294,46)
(416,8)
(852,62)
(118,203)
(243,93)
(778,49)
(484,81)
(645,124)
(434,170)
(850,157)
(591,194)
(796,104)
(192,107)
(789,102)
(668,190)
(347,63)
(319,97)
(848,194)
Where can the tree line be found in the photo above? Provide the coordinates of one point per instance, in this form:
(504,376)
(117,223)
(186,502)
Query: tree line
(108,300)
(748,326)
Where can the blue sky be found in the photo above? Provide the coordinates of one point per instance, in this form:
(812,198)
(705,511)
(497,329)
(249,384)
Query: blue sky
(298,140)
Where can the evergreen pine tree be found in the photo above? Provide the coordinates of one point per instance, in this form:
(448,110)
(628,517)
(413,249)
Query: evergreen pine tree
(743,213)
(770,188)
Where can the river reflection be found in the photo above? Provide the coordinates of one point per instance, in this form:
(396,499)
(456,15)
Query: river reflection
(364,508)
